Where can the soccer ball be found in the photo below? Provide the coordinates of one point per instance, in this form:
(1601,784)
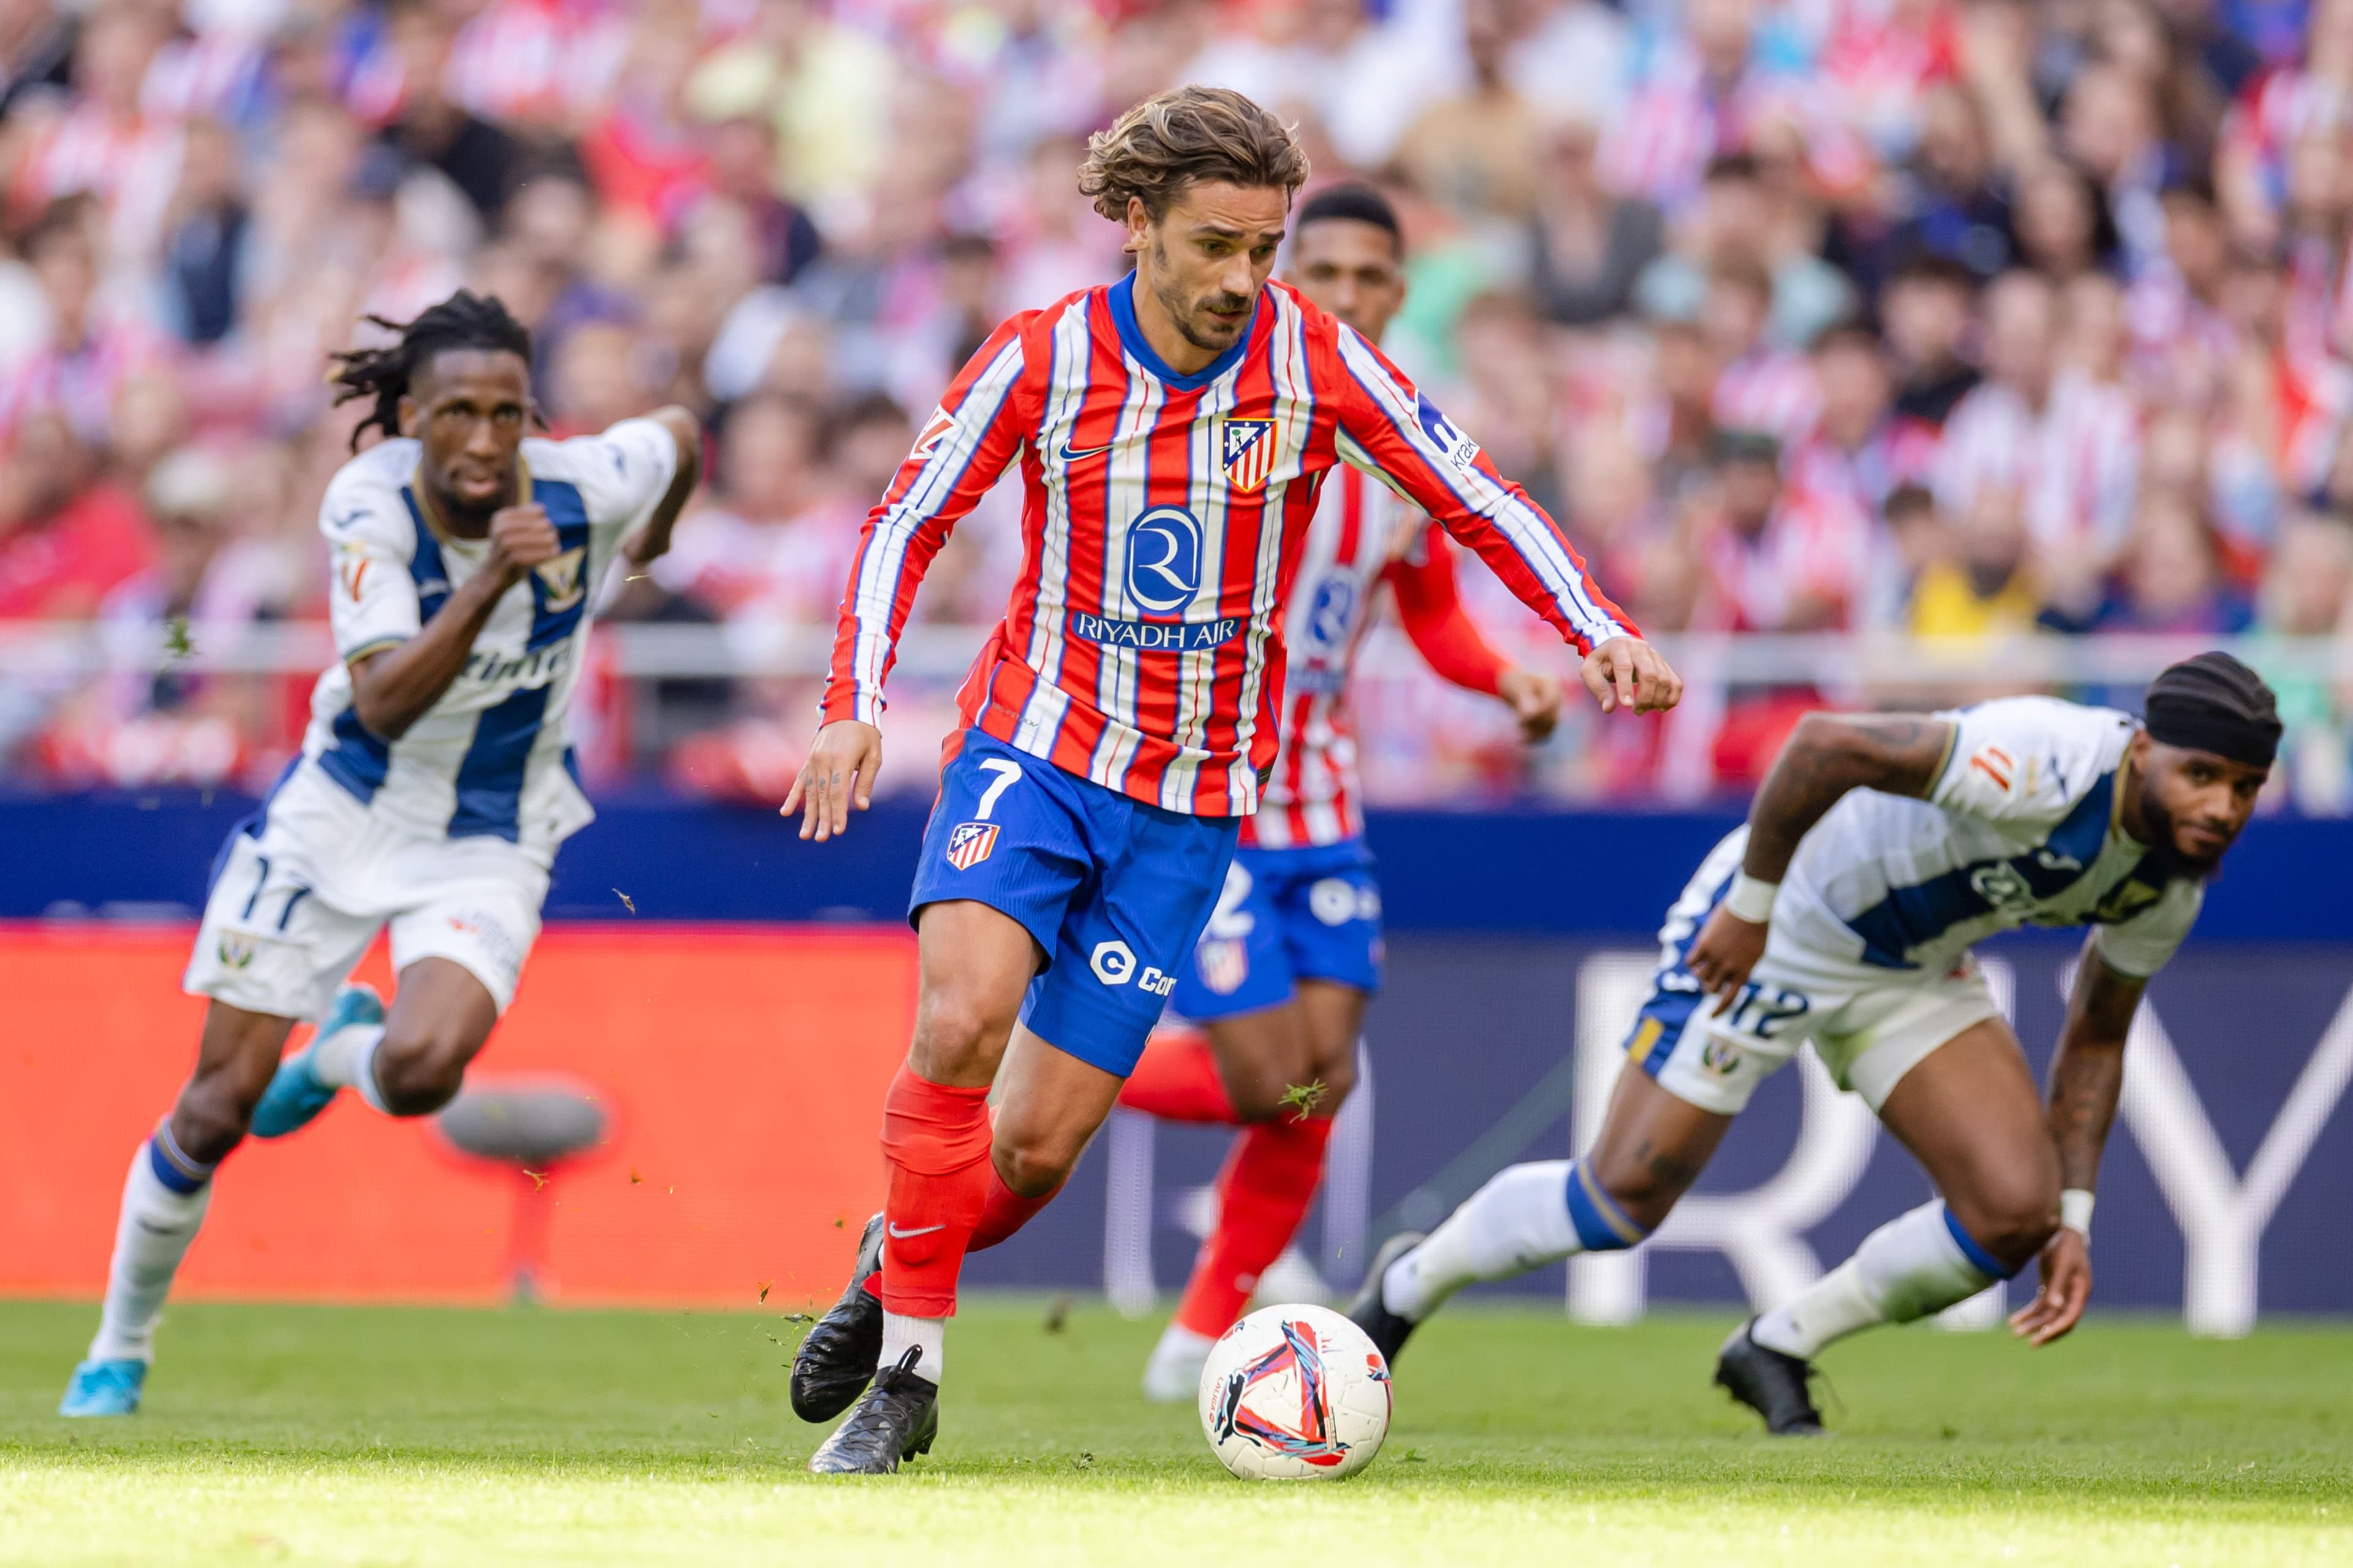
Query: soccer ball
(1296,1394)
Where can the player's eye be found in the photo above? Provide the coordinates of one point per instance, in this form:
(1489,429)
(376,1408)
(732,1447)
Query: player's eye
(508,415)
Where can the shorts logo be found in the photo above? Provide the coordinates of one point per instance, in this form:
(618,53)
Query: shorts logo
(969,844)
(235,951)
(1334,901)
(1460,450)
(561,581)
(1246,450)
(1113,962)
(1224,963)
(1722,1056)
(1164,559)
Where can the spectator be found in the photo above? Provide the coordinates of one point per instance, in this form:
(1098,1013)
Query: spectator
(1587,246)
(2170,579)
(1778,558)
(1859,449)
(1927,310)
(2063,228)
(206,252)
(1477,153)
(67,536)
(1985,586)
(2308,593)
(1760,388)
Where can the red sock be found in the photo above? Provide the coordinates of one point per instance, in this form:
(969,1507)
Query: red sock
(1177,1080)
(1264,1191)
(1007,1212)
(936,1140)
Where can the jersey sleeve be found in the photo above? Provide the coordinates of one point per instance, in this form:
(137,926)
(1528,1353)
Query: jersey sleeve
(2021,760)
(372,603)
(962,449)
(1390,430)
(2141,946)
(1430,608)
(622,473)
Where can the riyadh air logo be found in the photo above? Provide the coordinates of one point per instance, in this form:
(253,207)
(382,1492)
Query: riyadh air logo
(1164,559)
(1460,450)
(969,844)
(1246,451)
(561,580)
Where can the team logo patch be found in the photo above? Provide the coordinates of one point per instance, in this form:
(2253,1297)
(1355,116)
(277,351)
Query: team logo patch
(969,844)
(1246,451)
(1720,1056)
(1224,963)
(236,952)
(561,580)
(936,430)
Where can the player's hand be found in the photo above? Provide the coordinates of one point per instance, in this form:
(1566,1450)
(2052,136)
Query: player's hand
(1534,699)
(1728,949)
(839,773)
(1627,672)
(521,539)
(2067,1269)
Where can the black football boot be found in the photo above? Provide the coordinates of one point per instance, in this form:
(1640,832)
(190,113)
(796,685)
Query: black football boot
(837,1356)
(893,1421)
(1770,1383)
(1369,1312)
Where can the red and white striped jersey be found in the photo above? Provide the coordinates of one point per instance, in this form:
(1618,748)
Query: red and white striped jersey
(1363,534)
(1163,520)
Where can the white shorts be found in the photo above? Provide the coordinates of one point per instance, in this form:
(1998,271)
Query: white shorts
(1868,1027)
(299,893)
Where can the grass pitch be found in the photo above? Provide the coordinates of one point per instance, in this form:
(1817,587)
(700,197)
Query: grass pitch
(375,1436)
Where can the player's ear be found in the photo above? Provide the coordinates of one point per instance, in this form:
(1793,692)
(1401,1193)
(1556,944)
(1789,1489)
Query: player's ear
(408,412)
(1139,225)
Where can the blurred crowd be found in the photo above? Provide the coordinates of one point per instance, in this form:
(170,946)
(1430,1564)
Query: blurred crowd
(1967,318)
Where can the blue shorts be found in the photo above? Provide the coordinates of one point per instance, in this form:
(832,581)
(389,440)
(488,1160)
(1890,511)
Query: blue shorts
(1113,890)
(1286,915)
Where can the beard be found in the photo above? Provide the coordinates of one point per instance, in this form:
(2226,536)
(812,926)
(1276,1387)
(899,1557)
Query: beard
(1193,321)
(2166,851)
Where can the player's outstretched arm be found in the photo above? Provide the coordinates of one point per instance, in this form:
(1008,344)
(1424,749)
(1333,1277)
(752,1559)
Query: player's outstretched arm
(1827,755)
(391,689)
(2086,1076)
(652,542)
(840,773)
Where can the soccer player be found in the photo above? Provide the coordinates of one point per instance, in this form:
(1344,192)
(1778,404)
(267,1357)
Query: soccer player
(1878,849)
(1292,949)
(434,784)
(1173,430)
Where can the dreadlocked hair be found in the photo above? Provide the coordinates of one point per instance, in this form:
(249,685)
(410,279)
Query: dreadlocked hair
(464,321)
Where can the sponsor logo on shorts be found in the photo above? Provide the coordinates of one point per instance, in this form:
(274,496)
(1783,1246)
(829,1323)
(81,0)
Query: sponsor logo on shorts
(1224,963)
(969,844)
(235,951)
(1722,1056)
(490,934)
(1114,964)
(1335,901)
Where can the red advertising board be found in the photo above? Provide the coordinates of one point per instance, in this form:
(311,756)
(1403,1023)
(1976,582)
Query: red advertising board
(742,1073)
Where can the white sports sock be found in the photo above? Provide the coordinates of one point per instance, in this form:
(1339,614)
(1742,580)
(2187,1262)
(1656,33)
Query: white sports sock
(1518,1220)
(347,1059)
(1907,1269)
(150,1238)
(931,1334)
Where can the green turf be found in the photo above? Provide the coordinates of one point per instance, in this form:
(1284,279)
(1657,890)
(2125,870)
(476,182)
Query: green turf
(364,1435)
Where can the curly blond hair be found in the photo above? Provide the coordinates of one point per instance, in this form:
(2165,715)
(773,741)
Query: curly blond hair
(1184,136)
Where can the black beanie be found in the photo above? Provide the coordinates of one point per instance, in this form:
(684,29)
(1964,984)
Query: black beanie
(2214,704)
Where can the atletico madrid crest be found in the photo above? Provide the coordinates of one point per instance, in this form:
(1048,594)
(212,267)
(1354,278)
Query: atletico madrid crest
(969,844)
(1245,449)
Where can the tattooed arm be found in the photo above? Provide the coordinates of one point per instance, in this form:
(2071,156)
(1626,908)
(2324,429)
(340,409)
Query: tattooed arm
(1827,755)
(2086,1079)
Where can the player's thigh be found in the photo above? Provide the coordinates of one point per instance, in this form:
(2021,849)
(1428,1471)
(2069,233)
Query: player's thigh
(1969,1113)
(974,965)
(441,1017)
(1049,1103)
(271,942)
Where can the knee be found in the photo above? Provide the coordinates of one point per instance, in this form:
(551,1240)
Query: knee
(1034,1163)
(418,1073)
(956,1029)
(212,1115)
(1257,1088)
(1644,1190)
(2013,1216)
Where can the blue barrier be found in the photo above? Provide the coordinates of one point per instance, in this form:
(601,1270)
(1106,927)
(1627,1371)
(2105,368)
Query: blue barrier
(1513,871)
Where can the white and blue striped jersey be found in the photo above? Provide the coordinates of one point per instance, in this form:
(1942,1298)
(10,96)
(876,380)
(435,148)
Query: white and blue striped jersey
(490,757)
(2022,827)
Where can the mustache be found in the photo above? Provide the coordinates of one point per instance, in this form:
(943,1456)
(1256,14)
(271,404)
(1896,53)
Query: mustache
(1224,302)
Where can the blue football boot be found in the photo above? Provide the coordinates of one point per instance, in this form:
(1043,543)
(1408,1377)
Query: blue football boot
(295,1095)
(104,1388)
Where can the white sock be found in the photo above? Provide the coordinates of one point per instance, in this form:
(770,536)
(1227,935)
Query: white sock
(150,1238)
(1178,1340)
(1912,1265)
(928,1334)
(1518,1220)
(347,1058)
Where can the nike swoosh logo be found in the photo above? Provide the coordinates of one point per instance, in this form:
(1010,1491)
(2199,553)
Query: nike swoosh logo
(904,1232)
(1071,454)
